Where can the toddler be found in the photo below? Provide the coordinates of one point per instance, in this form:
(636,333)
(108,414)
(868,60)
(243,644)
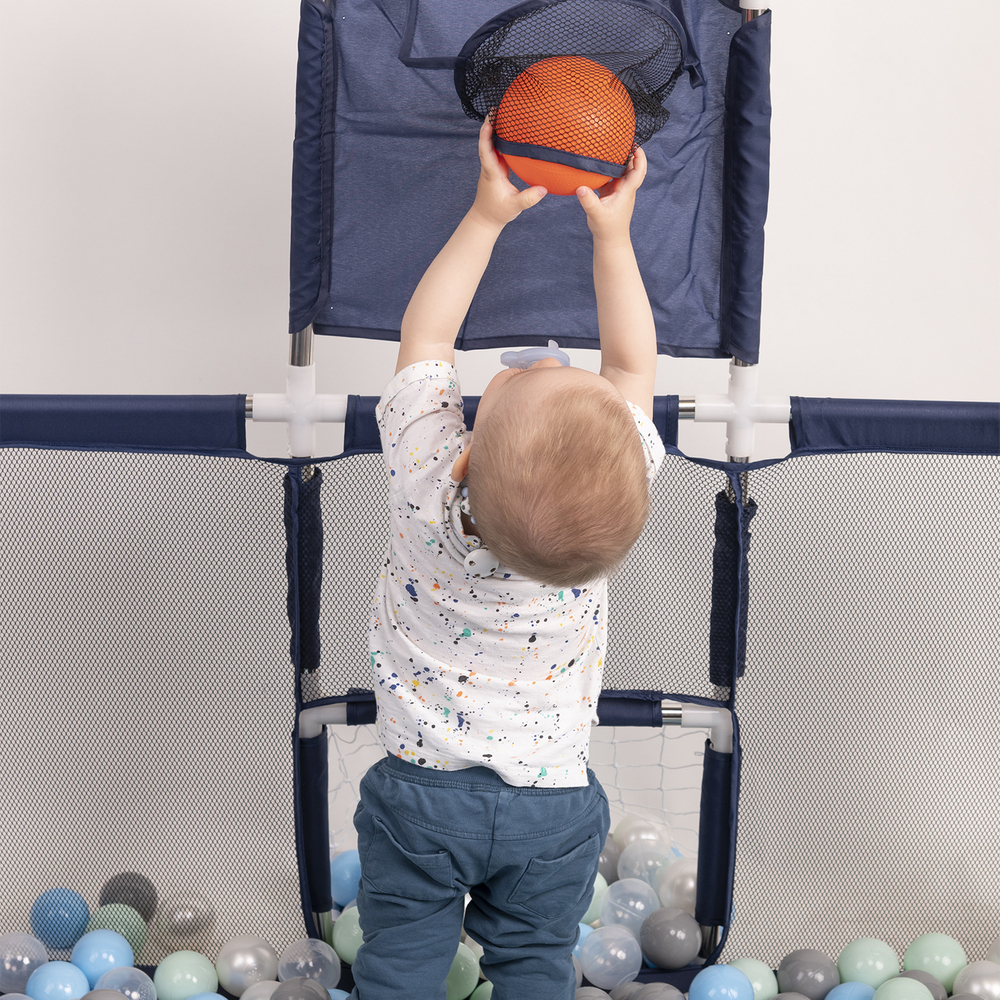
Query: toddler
(488,628)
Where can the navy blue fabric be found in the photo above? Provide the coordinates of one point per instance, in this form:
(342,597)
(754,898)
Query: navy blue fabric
(398,168)
(745,187)
(304,565)
(727,637)
(214,423)
(714,839)
(630,708)
(314,823)
(361,429)
(838,425)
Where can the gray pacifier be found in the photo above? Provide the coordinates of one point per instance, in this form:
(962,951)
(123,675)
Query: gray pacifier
(529,355)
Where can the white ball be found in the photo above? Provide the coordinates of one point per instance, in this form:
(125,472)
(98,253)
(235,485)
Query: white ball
(611,956)
(628,902)
(981,978)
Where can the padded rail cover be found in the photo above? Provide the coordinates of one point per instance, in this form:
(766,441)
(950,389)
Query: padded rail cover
(385,166)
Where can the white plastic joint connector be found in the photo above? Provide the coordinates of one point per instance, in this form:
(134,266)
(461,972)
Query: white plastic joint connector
(301,408)
(718,721)
(741,409)
(312,720)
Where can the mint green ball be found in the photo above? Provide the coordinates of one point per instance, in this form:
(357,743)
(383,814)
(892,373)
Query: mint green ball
(938,954)
(484,991)
(123,919)
(761,976)
(347,936)
(463,976)
(903,989)
(184,974)
(594,910)
(869,961)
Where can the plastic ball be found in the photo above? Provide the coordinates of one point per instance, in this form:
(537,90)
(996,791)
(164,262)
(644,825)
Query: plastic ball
(132,983)
(100,994)
(762,978)
(808,972)
(902,989)
(101,951)
(347,935)
(633,828)
(937,990)
(993,953)
(611,956)
(261,990)
(131,889)
(183,974)
(16,996)
(655,991)
(300,988)
(607,863)
(345,873)
(244,961)
(867,960)
(339,994)
(981,978)
(670,938)
(644,859)
(720,982)
(182,920)
(20,955)
(585,931)
(207,996)
(626,991)
(571,104)
(940,955)
(590,993)
(123,920)
(484,991)
(59,917)
(851,991)
(628,902)
(463,974)
(310,958)
(57,981)
(677,884)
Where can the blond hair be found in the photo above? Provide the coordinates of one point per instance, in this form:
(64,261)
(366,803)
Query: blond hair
(558,490)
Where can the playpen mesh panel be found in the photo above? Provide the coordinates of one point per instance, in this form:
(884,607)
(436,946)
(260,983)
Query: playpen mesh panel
(148,698)
(869,710)
(659,606)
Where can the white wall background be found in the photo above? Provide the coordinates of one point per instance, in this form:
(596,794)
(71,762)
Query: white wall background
(146,159)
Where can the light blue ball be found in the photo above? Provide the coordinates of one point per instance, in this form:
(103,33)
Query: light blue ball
(851,991)
(59,917)
(57,981)
(720,982)
(345,873)
(585,931)
(338,995)
(207,996)
(100,951)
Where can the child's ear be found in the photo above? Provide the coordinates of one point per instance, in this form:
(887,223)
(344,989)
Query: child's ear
(461,466)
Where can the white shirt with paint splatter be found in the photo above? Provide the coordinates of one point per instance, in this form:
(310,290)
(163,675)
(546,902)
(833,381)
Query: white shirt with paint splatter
(503,671)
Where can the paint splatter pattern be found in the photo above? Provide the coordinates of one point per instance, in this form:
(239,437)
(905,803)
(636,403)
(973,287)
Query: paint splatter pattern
(501,671)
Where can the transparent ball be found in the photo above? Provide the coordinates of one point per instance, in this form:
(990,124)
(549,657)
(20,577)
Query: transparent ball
(628,902)
(132,983)
(633,828)
(678,884)
(611,956)
(643,859)
(310,958)
(20,955)
(244,961)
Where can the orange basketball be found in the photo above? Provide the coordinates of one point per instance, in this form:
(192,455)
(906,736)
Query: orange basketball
(566,103)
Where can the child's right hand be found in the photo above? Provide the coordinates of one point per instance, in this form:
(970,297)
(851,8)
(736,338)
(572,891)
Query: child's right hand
(609,214)
(497,200)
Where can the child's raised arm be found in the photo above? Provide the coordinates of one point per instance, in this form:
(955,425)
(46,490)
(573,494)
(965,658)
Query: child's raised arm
(442,298)
(624,316)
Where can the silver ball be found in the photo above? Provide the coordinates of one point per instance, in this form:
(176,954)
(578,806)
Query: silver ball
(183,920)
(245,961)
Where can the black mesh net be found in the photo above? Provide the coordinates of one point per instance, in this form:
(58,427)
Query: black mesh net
(868,712)
(148,698)
(586,77)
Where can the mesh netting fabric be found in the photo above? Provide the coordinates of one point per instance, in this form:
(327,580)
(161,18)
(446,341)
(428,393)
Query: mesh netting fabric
(640,49)
(868,712)
(148,698)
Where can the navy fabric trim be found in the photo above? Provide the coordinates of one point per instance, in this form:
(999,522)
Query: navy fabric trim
(559,156)
(746,167)
(213,423)
(840,425)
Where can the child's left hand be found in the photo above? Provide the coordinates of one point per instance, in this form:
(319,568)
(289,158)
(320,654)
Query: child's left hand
(497,200)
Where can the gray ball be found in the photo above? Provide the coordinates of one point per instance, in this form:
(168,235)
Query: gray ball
(607,864)
(934,985)
(245,961)
(657,991)
(791,996)
(808,972)
(670,938)
(590,993)
(102,995)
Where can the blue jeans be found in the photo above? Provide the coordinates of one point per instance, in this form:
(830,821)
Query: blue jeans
(527,856)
